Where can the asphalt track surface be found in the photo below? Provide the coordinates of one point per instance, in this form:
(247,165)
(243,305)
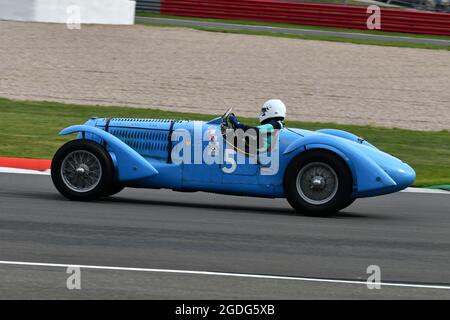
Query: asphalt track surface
(291,31)
(406,234)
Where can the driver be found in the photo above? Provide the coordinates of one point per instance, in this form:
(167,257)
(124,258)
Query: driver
(271,119)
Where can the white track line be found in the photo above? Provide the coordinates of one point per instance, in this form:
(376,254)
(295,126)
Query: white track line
(47,172)
(224,274)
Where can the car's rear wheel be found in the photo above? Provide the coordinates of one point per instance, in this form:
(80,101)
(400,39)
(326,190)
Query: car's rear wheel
(318,183)
(82,170)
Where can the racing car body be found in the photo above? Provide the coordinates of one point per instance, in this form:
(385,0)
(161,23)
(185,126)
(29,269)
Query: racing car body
(319,172)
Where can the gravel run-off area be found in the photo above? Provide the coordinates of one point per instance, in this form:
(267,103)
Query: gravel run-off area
(197,71)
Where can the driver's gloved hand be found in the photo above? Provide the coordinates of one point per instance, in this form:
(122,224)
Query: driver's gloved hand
(233,120)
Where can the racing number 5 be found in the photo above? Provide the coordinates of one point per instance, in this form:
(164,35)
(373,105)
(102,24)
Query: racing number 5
(229,159)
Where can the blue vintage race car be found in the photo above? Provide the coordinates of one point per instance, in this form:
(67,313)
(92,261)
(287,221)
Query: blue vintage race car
(318,172)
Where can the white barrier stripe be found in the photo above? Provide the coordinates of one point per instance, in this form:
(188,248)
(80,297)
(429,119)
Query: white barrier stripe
(226,274)
(425,190)
(23,171)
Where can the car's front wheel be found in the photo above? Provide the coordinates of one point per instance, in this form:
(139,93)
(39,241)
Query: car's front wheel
(82,170)
(115,188)
(318,183)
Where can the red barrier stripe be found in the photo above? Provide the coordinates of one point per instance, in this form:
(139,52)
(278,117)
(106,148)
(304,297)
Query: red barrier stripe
(29,164)
(226,7)
(309,14)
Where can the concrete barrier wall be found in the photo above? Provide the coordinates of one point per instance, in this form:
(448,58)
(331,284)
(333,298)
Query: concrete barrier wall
(62,11)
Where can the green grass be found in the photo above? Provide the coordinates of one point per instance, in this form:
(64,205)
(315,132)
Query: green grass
(295,26)
(307,37)
(347,2)
(29,129)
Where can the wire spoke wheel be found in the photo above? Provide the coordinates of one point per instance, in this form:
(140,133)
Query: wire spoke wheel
(81,171)
(317,183)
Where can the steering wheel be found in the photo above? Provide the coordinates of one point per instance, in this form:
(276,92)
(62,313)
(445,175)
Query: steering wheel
(225,117)
(227,114)
(224,127)
(224,124)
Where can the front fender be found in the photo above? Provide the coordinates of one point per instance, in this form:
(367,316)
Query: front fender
(346,135)
(131,165)
(369,177)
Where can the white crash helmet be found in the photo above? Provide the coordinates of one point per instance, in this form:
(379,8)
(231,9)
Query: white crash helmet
(273,108)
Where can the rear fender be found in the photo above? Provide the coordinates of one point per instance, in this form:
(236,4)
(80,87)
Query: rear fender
(130,164)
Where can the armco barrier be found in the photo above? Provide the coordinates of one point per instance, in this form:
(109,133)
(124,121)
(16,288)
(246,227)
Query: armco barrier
(303,13)
(148,5)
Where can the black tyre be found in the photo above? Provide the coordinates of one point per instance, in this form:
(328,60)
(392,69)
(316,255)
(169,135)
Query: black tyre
(82,170)
(318,183)
(114,189)
(348,203)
